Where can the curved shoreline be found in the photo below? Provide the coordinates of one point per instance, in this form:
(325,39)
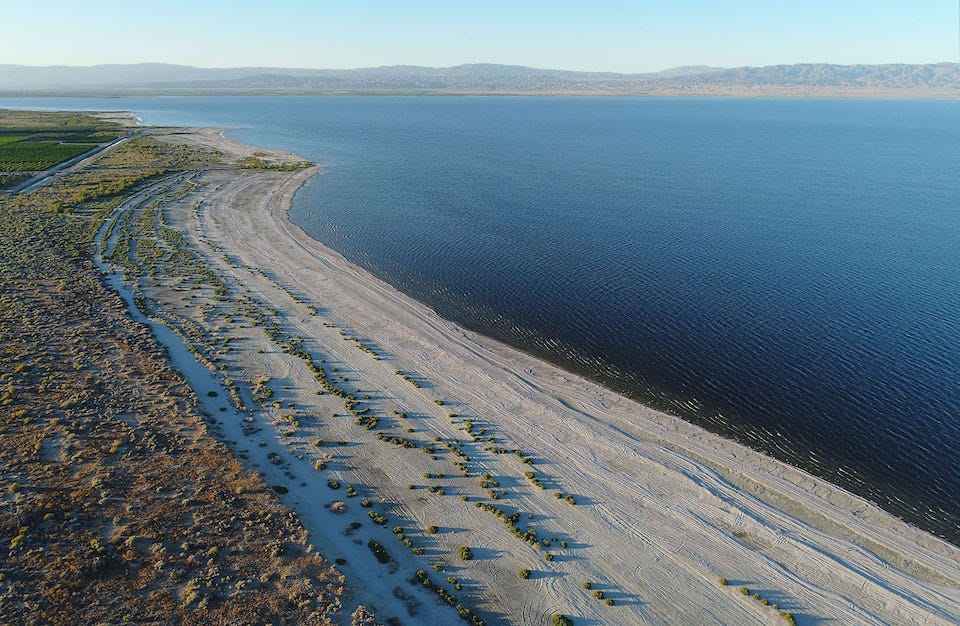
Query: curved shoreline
(663,505)
(511,353)
(685,410)
(513,358)
(919,509)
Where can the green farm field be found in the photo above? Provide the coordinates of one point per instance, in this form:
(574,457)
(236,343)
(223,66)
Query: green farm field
(32,156)
(32,142)
(11,139)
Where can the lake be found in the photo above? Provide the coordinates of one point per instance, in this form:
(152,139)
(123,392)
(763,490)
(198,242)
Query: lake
(785,272)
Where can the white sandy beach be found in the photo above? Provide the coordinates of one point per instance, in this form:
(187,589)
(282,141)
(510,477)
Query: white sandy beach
(663,509)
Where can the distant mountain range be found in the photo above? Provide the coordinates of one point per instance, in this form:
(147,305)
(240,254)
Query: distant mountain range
(941,79)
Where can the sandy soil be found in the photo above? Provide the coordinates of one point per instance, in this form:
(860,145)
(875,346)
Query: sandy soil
(662,509)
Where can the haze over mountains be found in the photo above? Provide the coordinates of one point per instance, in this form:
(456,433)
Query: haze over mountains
(800,79)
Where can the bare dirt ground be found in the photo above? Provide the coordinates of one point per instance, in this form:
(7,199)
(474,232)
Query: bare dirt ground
(117,504)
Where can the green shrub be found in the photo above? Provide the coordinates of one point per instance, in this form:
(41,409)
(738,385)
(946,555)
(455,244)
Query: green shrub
(525,574)
(466,553)
(379,551)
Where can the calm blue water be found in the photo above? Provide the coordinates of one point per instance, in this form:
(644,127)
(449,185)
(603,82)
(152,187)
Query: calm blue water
(784,272)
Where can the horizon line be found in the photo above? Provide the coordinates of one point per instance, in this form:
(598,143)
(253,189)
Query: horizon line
(467,64)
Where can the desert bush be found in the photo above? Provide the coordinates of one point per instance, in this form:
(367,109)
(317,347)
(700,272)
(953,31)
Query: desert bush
(379,551)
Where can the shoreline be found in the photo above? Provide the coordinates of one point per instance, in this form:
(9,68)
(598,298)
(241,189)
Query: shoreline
(299,234)
(662,417)
(655,494)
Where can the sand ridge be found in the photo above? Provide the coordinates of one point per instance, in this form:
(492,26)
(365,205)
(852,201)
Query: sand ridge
(650,510)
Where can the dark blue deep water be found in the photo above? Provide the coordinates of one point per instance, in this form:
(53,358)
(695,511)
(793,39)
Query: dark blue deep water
(785,272)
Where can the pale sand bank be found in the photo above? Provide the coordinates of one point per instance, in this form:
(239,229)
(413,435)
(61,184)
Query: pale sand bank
(663,509)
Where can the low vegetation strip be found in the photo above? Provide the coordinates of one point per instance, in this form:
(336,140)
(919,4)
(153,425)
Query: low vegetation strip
(117,504)
(9,179)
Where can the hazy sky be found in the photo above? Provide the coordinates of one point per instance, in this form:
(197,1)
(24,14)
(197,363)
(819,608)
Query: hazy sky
(621,36)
